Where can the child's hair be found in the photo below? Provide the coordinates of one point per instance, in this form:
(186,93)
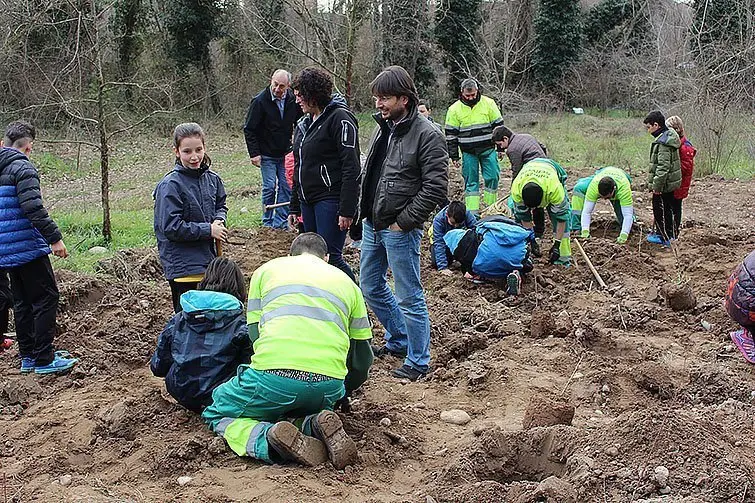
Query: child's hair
(675,123)
(19,134)
(190,130)
(606,186)
(224,275)
(655,117)
(426,103)
(457,210)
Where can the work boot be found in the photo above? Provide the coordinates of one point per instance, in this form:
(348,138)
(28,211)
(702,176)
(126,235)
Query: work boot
(342,450)
(293,445)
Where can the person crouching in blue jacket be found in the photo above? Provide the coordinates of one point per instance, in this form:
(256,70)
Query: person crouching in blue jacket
(453,216)
(202,346)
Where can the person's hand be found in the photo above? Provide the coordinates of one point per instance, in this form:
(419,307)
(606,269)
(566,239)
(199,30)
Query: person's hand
(256,160)
(555,254)
(456,163)
(585,234)
(446,272)
(293,220)
(344,222)
(59,249)
(218,230)
(622,238)
(395,227)
(501,153)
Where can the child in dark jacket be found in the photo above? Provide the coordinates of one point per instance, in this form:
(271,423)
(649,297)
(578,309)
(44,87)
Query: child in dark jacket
(190,213)
(202,346)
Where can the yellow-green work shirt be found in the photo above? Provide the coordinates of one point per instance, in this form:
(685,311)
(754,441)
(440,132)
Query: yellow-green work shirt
(307,312)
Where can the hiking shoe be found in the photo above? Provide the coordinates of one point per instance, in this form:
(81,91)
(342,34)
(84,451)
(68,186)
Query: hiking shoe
(61,363)
(535,248)
(293,445)
(27,365)
(342,450)
(407,372)
(513,283)
(380,351)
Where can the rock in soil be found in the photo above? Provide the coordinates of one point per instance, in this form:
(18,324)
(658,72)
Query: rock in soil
(542,324)
(553,490)
(679,297)
(542,411)
(455,416)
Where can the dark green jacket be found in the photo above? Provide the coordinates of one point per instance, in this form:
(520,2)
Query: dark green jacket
(665,165)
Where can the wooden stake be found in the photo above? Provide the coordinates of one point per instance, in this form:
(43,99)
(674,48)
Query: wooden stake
(589,264)
(219,247)
(279,205)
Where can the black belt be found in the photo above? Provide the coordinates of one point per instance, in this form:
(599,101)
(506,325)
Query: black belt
(300,375)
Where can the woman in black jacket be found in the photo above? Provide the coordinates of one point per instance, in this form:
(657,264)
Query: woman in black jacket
(326,168)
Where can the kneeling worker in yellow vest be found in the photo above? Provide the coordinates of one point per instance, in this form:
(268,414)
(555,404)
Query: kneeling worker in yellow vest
(309,325)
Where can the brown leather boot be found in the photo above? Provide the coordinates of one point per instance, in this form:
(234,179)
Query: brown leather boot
(342,450)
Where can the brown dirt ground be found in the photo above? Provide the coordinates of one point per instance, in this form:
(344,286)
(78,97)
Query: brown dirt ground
(650,386)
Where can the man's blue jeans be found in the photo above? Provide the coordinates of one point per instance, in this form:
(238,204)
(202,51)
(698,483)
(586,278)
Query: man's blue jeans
(322,218)
(275,190)
(404,315)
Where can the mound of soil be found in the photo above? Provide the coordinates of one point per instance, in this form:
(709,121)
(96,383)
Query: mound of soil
(679,297)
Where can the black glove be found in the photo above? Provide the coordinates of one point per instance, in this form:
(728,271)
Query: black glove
(344,404)
(555,254)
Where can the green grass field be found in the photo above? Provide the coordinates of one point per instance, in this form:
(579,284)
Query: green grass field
(73,193)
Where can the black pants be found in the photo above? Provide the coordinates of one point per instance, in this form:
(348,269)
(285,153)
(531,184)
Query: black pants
(177,289)
(663,212)
(6,303)
(538,221)
(35,305)
(676,210)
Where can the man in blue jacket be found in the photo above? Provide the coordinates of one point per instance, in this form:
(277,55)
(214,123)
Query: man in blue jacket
(454,216)
(27,235)
(267,130)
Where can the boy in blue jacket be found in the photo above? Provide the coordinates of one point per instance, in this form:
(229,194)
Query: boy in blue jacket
(453,216)
(202,346)
(27,237)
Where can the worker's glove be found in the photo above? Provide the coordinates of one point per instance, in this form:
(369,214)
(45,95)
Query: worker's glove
(622,238)
(585,234)
(344,405)
(554,253)
(535,248)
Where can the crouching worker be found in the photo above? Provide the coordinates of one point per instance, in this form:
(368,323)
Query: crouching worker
(496,248)
(454,216)
(311,334)
(542,184)
(609,183)
(202,346)
(740,304)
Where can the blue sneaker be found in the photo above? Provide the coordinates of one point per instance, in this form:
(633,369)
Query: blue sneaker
(655,238)
(27,365)
(59,365)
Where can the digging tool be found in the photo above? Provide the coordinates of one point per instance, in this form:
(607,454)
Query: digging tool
(589,264)
(219,247)
(278,205)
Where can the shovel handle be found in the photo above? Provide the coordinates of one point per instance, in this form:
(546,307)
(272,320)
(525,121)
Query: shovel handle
(219,247)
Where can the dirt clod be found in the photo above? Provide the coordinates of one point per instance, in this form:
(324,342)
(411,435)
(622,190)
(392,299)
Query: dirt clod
(542,411)
(542,324)
(679,297)
(655,378)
